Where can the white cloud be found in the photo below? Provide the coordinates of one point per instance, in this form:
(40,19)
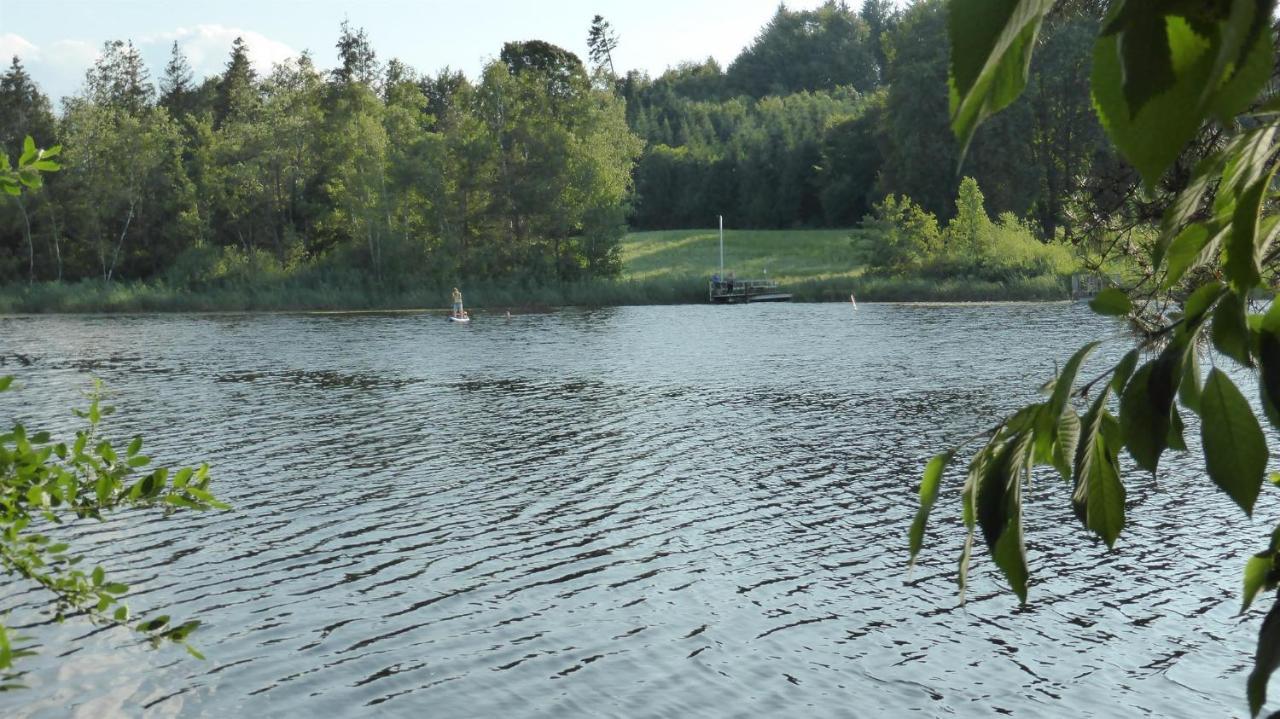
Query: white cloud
(59,66)
(207,47)
(75,55)
(12,44)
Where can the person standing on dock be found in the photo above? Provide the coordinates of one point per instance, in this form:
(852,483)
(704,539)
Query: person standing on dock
(457,302)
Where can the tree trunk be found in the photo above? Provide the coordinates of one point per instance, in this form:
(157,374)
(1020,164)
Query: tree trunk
(57,249)
(31,248)
(115,255)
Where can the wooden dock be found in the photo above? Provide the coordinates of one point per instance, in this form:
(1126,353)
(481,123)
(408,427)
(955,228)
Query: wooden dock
(741,291)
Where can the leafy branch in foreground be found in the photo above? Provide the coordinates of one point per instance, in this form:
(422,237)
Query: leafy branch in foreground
(47,485)
(1161,72)
(31,163)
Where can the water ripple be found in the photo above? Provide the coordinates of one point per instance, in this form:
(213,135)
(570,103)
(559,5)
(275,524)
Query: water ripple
(626,512)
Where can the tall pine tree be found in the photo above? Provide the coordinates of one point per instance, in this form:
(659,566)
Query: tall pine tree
(237,94)
(177,88)
(24,110)
(359,63)
(601,42)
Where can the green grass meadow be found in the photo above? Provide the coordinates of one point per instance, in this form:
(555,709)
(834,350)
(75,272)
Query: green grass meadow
(813,265)
(787,256)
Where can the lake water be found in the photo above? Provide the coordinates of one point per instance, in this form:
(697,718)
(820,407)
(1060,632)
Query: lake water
(667,512)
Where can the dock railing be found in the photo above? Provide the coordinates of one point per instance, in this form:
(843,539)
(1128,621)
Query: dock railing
(1086,285)
(739,289)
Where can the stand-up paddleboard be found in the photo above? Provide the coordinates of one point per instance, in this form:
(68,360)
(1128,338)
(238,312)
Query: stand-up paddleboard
(459,319)
(854,300)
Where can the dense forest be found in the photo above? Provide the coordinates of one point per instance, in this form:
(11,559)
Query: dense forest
(536,168)
(368,169)
(830,110)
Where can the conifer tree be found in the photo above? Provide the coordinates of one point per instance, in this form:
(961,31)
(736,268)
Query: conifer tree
(177,86)
(601,42)
(237,89)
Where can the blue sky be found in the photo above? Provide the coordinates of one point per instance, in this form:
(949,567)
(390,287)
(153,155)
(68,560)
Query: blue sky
(58,39)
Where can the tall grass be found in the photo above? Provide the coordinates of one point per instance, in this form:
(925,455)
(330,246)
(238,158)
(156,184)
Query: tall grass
(97,296)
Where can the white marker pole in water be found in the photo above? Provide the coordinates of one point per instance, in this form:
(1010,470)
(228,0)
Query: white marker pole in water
(722,245)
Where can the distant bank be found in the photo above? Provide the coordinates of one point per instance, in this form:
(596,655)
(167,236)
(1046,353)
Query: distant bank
(664,267)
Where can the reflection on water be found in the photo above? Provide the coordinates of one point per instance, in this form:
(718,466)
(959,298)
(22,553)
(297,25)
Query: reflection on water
(631,512)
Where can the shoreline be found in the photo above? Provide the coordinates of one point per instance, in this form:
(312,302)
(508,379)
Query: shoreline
(490,313)
(96,297)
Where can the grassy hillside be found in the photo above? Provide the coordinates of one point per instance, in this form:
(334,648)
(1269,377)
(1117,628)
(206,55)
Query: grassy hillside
(787,255)
(813,265)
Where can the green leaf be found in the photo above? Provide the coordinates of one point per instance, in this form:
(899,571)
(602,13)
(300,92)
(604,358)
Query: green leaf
(1265,659)
(991,45)
(122,614)
(98,576)
(31,178)
(1144,417)
(1256,571)
(5,381)
(1010,553)
(1099,495)
(1186,205)
(1112,302)
(102,488)
(928,494)
(152,625)
(28,151)
(1244,187)
(1124,371)
(999,511)
(180,501)
(6,651)
(192,651)
(1269,372)
(1235,450)
(1147,67)
(134,447)
(1200,302)
(1189,390)
(1160,69)
(1244,58)
(115,588)
(1151,136)
(182,631)
(1066,380)
(1177,431)
(1231,329)
(1065,448)
(1192,248)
